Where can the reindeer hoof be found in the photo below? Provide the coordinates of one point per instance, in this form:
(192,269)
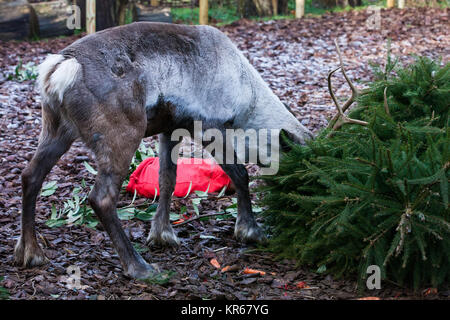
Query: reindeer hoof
(142,271)
(29,255)
(249,233)
(165,237)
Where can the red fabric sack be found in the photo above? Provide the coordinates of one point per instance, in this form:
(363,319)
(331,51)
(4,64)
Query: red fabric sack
(200,172)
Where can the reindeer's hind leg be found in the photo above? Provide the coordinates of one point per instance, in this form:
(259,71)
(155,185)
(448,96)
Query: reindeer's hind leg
(246,229)
(162,232)
(114,143)
(55,140)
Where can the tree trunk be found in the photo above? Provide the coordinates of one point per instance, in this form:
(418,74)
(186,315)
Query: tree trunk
(283,7)
(248,8)
(82,5)
(355,3)
(263,7)
(109,13)
(105,14)
(121,12)
(327,4)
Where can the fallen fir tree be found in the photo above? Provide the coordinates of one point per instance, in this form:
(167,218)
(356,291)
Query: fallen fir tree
(372,188)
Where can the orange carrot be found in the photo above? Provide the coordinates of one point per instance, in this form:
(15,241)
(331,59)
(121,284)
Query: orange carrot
(253,271)
(429,291)
(302,285)
(215,263)
(225,269)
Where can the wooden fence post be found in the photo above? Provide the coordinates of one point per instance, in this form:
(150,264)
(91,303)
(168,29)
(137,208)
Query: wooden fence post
(390,3)
(90,16)
(274,7)
(203,12)
(299,8)
(401,4)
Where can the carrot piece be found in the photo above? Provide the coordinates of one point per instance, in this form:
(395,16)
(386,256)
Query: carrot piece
(429,291)
(178,221)
(225,269)
(302,285)
(253,271)
(215,263)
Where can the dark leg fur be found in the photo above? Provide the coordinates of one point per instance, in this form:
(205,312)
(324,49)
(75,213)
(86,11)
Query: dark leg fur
(53,144)
(246,228)
(114,145)
(162,232)
(103,199)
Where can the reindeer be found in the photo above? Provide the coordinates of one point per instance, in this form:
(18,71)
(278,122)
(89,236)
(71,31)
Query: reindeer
(119,85)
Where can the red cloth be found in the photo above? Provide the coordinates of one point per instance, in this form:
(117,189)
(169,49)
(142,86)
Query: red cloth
(201,172)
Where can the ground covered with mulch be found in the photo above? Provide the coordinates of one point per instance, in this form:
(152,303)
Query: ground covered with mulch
(294,57)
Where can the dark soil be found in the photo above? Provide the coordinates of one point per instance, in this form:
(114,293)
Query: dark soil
(294,57)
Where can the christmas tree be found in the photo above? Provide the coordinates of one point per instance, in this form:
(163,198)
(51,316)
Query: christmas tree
(372,188)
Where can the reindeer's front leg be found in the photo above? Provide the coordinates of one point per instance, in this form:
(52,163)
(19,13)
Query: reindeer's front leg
(246,228)
(161,232)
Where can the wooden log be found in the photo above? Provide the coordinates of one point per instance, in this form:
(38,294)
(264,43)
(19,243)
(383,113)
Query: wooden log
(146,13)
(52,18)
(390,3)
(17,20)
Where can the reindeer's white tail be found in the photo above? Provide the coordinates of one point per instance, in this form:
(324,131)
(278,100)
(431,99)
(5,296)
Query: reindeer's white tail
(56,75)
